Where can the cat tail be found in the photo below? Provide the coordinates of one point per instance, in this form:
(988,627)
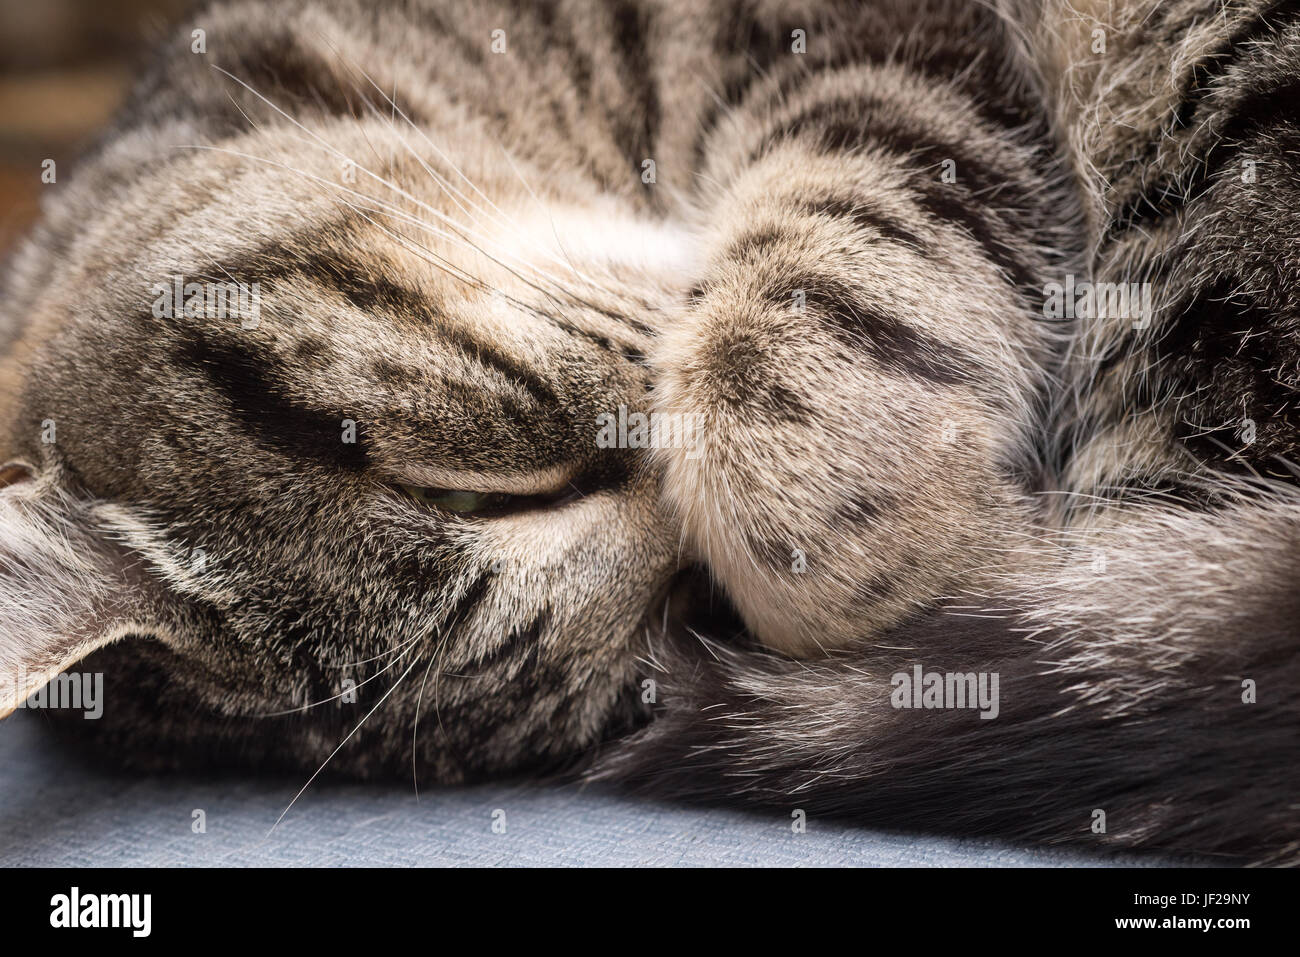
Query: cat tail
(1136,685)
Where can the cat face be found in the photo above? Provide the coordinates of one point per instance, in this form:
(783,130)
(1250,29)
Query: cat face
(370,496)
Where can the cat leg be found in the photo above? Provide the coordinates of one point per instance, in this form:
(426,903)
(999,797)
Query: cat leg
(863,358)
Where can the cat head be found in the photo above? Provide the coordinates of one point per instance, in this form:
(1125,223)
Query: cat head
(304,431)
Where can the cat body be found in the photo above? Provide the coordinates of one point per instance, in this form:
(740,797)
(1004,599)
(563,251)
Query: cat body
(364,517)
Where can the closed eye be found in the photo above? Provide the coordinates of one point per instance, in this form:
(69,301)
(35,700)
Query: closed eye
(486,504)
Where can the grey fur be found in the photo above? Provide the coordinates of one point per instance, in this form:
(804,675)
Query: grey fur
(459,253)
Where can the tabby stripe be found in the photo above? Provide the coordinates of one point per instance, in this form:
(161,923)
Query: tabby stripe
(868,219)
(257,398)
(606,344)
(370,292)
(749,246)
(559,43)
(768,238)
(518,644)
(952,203)
(624,319)
(893,343)
(1216,63)
(1005,111)
(737,93)
(1253,115)
(740,34)
(849,121)
(513,371)
(357,282)
(875,590)
(468,600)
(473,49)
(556,40)
(320,255)
(773,553)
(936,64)
(278,68)
(862,508)
(632,25)
(1192,94)
(845,123)
(705,127)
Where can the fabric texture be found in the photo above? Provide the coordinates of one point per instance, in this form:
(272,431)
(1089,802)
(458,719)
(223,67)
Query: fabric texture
(56,811)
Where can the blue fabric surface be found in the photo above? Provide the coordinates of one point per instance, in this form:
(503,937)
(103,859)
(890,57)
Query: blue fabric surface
(57,812)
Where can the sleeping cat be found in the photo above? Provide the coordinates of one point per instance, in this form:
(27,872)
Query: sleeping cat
(309,367)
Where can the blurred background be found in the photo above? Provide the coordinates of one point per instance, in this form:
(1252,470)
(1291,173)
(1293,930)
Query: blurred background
(65,65)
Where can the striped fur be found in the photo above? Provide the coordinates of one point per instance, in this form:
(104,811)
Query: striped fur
(1127,633)
(469,248)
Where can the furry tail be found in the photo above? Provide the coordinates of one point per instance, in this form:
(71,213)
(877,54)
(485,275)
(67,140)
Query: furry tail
(1148,671)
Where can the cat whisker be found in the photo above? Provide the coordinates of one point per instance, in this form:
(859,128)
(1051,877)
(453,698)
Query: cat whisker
(426,208)
(339,748)
(415,724)
(322,143)
(442,264)
(332,150)
(433,258)
(315,704)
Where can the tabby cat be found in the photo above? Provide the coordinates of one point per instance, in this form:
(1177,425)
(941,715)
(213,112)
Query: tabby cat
(400,510)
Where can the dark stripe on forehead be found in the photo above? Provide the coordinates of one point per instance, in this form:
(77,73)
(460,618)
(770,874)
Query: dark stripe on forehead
(549,36)
(747,49)
(753,50)
(260,402)
(561,42)
(472,49)
(370,291)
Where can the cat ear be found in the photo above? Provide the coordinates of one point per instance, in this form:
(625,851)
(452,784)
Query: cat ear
(64,588)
